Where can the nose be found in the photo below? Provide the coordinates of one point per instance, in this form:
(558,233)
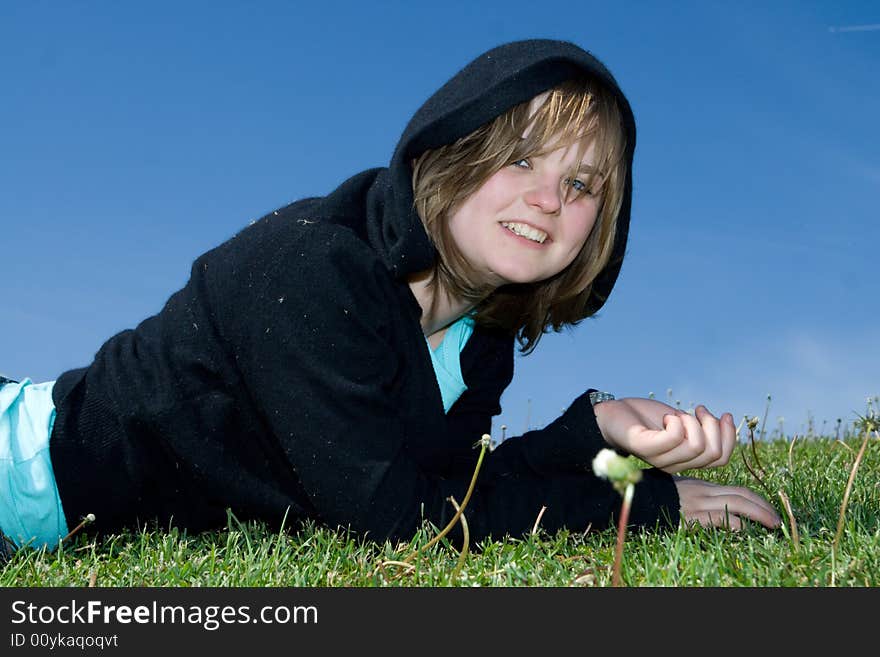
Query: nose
(545,195)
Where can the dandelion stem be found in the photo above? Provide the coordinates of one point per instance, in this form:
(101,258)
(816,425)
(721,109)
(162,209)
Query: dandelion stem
(621,532)
(755,474)
(849,484)
(484,445)
(89,519)
(755,450)
(538,520)
(402,564)
(794,530)
(465,542)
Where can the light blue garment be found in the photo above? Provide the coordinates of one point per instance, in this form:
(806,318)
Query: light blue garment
(446,358)
(30,508)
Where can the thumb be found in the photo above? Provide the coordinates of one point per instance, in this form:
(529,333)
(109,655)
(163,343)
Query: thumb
(669,417)
(672,423)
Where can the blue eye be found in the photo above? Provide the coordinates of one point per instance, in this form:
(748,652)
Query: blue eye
(578,185)
(522,164)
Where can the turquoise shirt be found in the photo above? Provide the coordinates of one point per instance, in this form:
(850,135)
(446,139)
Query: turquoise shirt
(446,359)
(30,508)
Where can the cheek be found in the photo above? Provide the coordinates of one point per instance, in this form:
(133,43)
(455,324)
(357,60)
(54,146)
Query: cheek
(464,227)
(582,224)
(484,204)
(489,196)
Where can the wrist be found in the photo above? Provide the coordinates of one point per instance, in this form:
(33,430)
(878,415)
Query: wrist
(603,405)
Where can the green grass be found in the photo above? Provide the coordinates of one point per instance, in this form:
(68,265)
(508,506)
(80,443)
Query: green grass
(812,472)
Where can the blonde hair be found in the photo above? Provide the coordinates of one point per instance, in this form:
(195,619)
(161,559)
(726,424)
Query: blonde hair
(446,176)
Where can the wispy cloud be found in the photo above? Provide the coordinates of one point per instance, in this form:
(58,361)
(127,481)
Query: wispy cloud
(873,27)
(871,173)
(847,158)
(805,371)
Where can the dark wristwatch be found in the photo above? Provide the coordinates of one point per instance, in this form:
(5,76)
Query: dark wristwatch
(597,397)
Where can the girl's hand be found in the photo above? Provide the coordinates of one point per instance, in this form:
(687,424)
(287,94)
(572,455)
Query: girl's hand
(666,437)
(722,506)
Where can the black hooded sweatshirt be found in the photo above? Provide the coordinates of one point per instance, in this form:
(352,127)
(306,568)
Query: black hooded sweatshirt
(290,377)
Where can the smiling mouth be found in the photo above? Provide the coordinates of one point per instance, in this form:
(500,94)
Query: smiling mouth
(524,230)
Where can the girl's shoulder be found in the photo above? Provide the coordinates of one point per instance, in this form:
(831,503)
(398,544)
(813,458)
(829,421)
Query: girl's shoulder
(295,237)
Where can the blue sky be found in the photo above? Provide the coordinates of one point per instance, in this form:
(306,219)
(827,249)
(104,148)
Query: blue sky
(135,136)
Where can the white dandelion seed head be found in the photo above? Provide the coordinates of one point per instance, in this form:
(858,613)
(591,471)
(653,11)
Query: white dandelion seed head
(603,462)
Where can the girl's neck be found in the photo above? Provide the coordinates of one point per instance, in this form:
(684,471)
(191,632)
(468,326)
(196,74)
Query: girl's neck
(439,309)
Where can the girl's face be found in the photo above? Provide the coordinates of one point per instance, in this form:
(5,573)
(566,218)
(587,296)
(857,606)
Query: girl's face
(518,226)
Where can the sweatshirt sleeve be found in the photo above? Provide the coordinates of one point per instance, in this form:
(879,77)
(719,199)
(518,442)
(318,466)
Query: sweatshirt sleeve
(319,360)
(562,451)
(558,460)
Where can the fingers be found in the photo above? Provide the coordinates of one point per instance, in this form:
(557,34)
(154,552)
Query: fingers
(727,429)
(708,519)
(661,448)
(746,500)
(719,438)
(681,447)
(723,506)
(735,503)
(704,441)
(685,433)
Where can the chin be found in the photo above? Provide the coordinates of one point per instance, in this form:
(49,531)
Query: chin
(517,278)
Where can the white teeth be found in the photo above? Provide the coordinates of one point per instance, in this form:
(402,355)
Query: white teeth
(525,231)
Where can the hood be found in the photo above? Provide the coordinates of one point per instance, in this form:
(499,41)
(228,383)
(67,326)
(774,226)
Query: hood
(490,85)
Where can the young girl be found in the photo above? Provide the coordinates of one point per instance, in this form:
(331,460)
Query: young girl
(338,359)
